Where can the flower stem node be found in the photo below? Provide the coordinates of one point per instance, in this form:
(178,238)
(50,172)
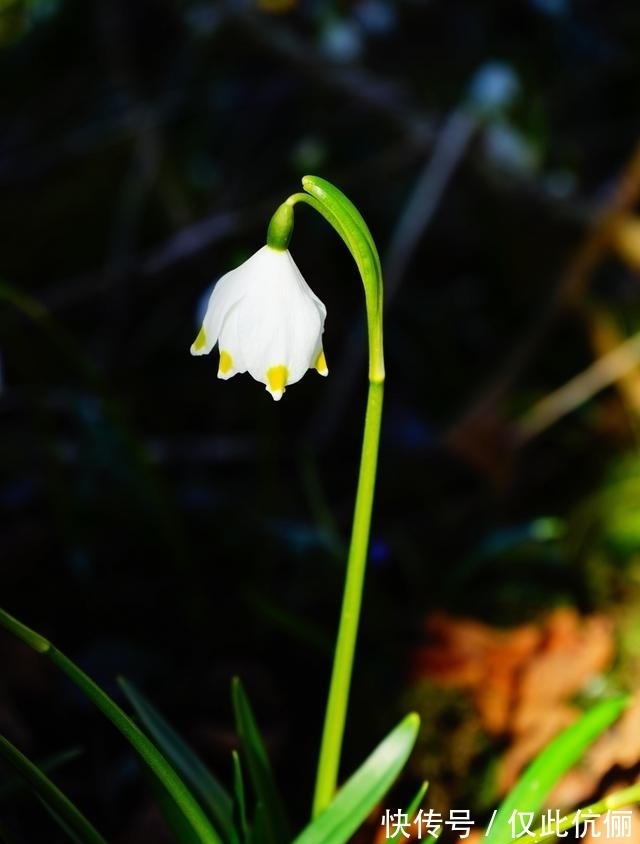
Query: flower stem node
(266,320)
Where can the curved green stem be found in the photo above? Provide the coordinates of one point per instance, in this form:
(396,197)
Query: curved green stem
(340,213)
(344,217)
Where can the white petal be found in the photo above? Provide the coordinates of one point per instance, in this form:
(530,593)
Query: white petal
(281,322)
(266,320)
(231,339)
(287,335)
(229,289)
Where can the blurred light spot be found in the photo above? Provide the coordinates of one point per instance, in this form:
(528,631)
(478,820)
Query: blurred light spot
(508,148)
(375,16)
(512,537)
(203,19)
(300,536)
(309,154)
(341,41)
(551,7)
(560,183)
(494,87)
(379,552)
(408,431)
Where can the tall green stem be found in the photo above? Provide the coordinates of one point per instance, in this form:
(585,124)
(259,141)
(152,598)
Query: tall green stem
(336,712)
(345,218)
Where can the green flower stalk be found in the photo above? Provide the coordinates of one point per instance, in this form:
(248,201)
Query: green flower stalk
(266,320)
(347,221)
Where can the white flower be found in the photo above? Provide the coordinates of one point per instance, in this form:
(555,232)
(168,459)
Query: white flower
(266,320)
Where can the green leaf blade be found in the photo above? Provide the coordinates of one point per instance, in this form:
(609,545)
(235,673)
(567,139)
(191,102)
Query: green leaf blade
(363,791)
(68,816)
(411,812)
(185,802)
(210,792)
(548,767)
(240,803)
(259,767)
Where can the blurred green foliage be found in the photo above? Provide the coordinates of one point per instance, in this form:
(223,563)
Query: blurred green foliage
(18,16)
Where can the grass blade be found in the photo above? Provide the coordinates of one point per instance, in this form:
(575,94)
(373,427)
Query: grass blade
(259,766)
(534,786)
(158,766)
(362,792)
(240,803)
(69,817)
(412,810)
(52,763)
(213,797)
(259,833)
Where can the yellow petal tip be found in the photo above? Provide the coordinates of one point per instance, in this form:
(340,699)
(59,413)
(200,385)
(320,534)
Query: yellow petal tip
(321,365)
(277,377)
(198,347)
(225,367)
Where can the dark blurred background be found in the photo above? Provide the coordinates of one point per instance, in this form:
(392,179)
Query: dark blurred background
(158,523)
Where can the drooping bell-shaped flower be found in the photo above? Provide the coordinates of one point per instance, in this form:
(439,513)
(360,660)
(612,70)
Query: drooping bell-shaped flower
(266,320)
